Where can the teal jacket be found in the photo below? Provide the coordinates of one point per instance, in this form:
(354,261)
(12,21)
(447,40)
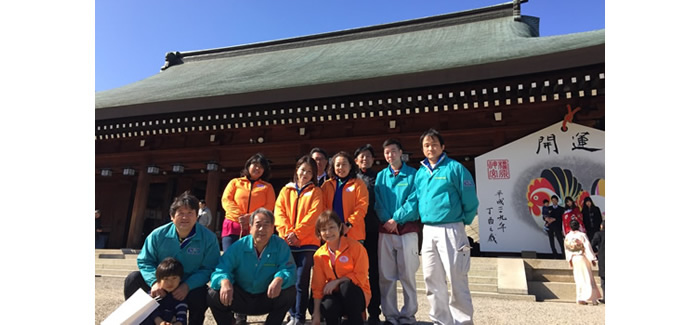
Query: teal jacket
(198,257)
(446,193)
(241,266)
(391,192)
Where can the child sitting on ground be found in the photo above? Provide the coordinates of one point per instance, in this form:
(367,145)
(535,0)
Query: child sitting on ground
(171,311)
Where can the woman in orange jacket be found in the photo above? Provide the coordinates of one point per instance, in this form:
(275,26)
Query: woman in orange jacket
(346,194)
(340,284)
(244,195)
(298,206)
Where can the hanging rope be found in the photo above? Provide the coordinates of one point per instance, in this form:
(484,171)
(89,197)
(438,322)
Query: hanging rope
(569,117)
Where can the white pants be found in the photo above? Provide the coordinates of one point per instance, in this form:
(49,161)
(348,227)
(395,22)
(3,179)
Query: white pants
(398,261)
(446,252)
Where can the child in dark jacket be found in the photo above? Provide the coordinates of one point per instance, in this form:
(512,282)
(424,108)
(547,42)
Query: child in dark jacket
(171,311)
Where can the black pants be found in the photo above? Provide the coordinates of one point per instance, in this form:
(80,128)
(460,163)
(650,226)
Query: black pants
(252,304)
(372,246)
(553,232)
(348,300)
(196,299)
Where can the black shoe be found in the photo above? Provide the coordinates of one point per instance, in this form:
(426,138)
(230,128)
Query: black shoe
(241,319)
(373,320)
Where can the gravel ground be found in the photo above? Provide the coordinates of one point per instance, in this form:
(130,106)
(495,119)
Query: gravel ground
(109,295)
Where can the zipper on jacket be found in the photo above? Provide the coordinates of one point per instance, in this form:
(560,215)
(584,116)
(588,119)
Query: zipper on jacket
(250,195)
(296,207)
(336,262)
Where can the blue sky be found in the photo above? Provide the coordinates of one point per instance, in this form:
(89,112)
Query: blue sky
(132,37)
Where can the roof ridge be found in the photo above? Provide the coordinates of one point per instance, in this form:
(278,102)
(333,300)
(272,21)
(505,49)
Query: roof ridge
(454,18)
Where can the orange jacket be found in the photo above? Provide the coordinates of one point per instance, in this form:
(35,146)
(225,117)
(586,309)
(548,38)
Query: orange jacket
(298,213)
(240,198)
(355,203)
(350,260)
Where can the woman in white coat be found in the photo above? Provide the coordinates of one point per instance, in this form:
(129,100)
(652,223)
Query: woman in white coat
(581,258)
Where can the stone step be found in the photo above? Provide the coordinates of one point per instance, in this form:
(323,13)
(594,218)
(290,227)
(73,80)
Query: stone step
(113,272)
(563,291)
(559,278)
(108,261)
(473,287)
(101,266)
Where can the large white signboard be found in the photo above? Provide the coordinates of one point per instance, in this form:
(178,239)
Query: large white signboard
(513,180)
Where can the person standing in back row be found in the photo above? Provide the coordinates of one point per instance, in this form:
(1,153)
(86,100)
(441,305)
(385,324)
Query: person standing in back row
(321,157)
(241,197)
(244,195)
(446,200)
(347,195)
(398,244)
(364,158)
(298,206)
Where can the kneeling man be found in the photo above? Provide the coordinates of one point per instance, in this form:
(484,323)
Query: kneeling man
(255,276)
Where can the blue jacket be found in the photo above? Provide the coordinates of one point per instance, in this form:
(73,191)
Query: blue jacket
(241,266)
(392,192)
(198,257)
(446,193)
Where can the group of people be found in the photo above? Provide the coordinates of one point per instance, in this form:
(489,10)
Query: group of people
(581,237)
(357,229)
(557,219)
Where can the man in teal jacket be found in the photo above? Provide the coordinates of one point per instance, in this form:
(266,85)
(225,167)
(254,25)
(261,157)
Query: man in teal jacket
(447,201)
(398,243)
(255,276)
(192,244)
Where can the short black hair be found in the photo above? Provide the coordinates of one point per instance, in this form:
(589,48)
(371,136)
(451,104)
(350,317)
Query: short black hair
(353,166)
(325,218)
(367,147)
(169,267)
(574,224)
(554,197)
(545,201)
(432,133)
(319,150)
(265,212)
(260,159)
(391,141)
(202,202)
(185,199)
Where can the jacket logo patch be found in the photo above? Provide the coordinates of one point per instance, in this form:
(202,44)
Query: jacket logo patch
(193,250)
(260,185)
(402,184)
(350,189)
(468,183)
(343,259)
(307,194)
(440,177)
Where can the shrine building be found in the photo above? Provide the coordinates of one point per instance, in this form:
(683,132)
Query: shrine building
(482,77)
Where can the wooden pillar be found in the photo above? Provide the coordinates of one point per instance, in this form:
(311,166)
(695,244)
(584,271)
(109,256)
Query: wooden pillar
(138,212)
(212,196)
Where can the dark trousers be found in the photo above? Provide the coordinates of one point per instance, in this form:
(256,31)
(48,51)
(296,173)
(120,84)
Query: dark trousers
(228,241)
(348,300)
(372,246)
(196,299)
(553,232)
(304,261)
(251,304)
